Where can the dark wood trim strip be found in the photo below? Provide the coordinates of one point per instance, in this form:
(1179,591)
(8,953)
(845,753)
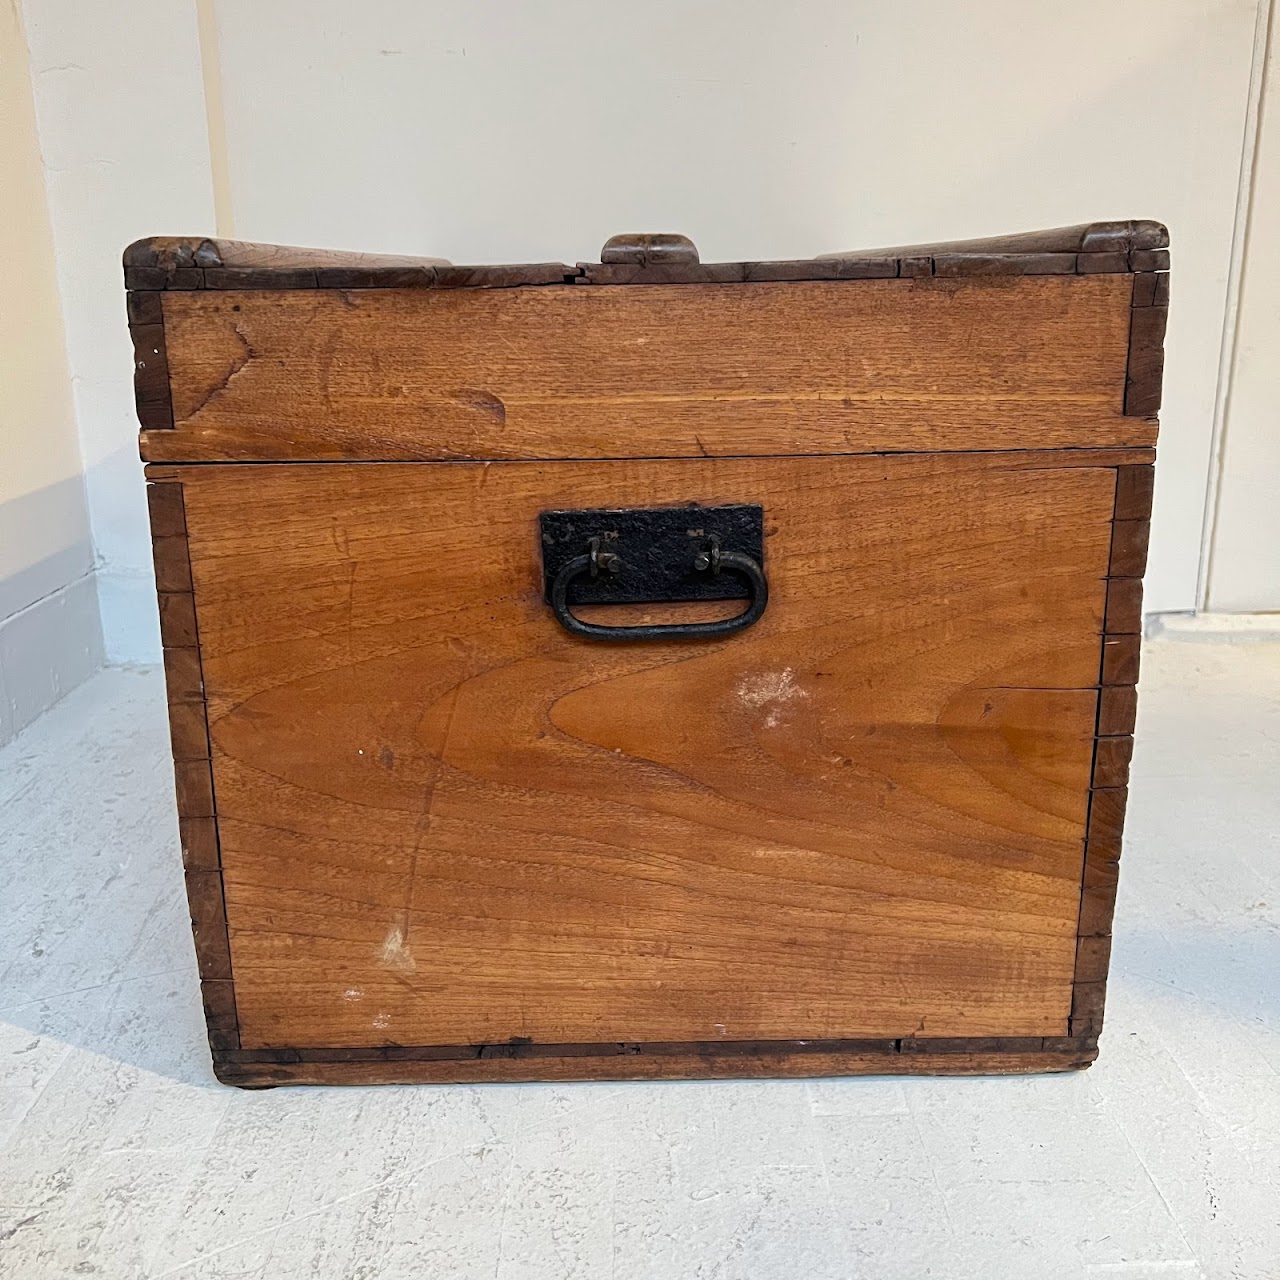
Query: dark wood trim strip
(193,772)
(209,924)
(690,1067)
(188,732)
(177,619)
(1149,316)
(504,277)
(1124,606)
(376,277)
(676,273)
(150,364)
(167,511)
(1118,707)
(259,278)
(1087,1001)
(1113,739)
(1111,762)
(622,1061)
(199,838)
(409,276)
(672,1048)
(219,1000)
(1150,289)
(177,252)
(172,568)
(949,265)
(1102,263)
(150,361)
(193,781)
(182,676)
(1093,956)
(168,262)
(1087,237)
(1149,260)
(1120,659)
(810,269)
(1135,489)
(1129,548)
(143,307)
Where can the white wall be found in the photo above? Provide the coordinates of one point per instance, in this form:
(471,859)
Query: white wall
(482,130)
(121,110)
(50,638)
(1244,561)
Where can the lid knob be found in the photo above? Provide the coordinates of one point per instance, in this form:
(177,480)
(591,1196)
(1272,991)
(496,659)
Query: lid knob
(649,249)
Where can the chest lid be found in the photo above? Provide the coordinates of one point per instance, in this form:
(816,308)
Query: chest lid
(248,352)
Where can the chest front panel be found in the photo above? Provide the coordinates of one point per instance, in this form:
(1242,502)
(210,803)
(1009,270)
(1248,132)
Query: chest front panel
(444,820)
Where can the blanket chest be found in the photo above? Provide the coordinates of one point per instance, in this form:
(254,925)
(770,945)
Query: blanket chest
(650,668)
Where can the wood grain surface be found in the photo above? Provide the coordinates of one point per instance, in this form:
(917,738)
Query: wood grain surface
(169,252)
(1086,237)
(445,821)
(760,369)
(758,1063)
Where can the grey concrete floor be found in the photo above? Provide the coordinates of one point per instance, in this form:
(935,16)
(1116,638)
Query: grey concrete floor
(121,1157)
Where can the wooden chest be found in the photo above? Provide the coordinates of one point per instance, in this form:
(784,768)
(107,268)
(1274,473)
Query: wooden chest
(845,792)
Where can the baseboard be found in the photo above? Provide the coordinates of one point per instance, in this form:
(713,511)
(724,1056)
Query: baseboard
(46,650)
(1230,628)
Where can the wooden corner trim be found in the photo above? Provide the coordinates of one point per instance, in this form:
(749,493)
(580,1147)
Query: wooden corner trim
(151,391)
(1112,744)
(192,763)
(1148,319)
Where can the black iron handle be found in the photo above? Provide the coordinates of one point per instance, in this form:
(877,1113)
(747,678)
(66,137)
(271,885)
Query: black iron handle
(711,560)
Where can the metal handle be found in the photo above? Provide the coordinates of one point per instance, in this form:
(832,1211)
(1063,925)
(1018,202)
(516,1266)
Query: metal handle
(710,560)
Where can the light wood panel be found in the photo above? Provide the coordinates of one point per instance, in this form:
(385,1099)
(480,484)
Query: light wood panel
(571,371)
(445,821)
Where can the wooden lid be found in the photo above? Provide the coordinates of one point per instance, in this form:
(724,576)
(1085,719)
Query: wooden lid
(176,262)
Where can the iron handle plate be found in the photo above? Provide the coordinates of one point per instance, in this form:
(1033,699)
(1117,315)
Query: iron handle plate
(654,555)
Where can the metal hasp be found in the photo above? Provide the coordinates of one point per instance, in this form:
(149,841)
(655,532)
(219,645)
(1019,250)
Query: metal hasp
(654,555)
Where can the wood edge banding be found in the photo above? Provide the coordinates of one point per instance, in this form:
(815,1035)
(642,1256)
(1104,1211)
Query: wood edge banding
(511,1063)
(177,262)
(152,397)
(1148,318)
(189,252)
(1113,741)
(192,765)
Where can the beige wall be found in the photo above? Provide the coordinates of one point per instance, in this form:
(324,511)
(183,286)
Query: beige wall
(1243,565)
(47,604)
(488,131)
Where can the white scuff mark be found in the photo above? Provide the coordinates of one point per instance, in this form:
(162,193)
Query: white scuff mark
(774,690)
(395,953)
(381,1021)
(721,1029)
(352,993)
